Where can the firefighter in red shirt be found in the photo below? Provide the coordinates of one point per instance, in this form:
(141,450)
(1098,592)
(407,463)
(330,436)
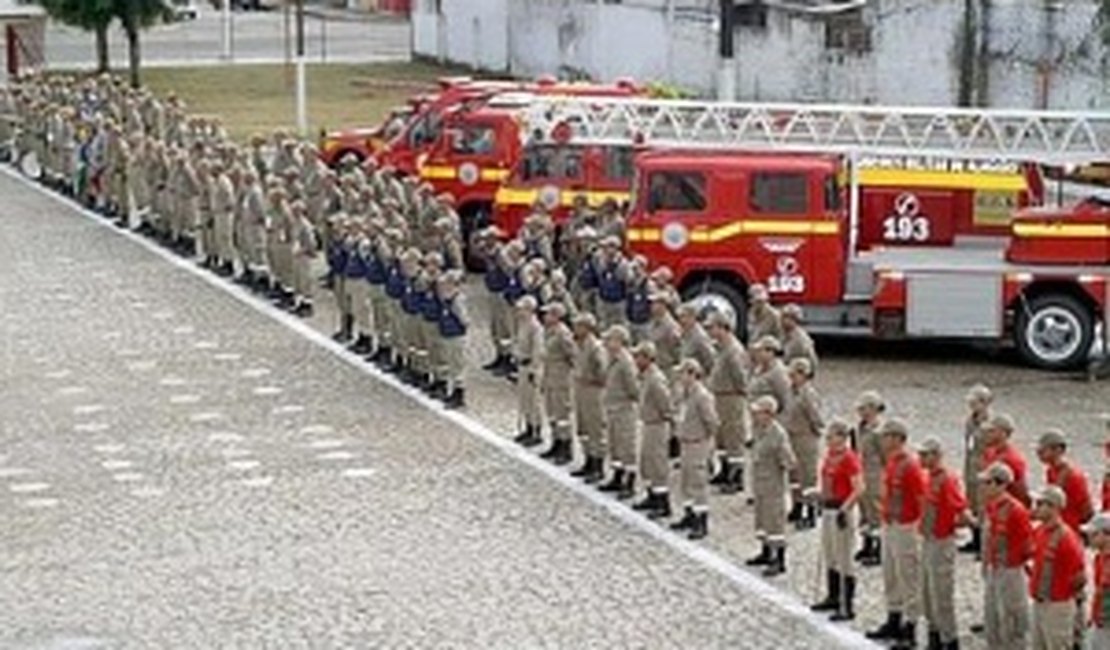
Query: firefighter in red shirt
(946,508)
(841,487)
(1058,573)
(996,435)
(1007,536)
(1099,530)
(903,496)
(1051,449)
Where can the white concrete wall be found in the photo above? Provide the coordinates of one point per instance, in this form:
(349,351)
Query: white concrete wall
(914,57)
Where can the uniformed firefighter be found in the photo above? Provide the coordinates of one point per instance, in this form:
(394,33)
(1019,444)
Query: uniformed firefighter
(903,495)
(1052,450)
(768,374)
(665,333)
(637,312)
(422,336)
(1007,546)
(590,369)
(222,238)
(305,248)
(840,489)
(796,341)
(945,510)
(585,276)
(556,291)
(697,428)
(763,319)
(390,254)
(978,401)
(340,254)
(696,343)
(377,263)
(453,326)
(657,417)
(1057,573)
(868,444)
(772,461)
(728,381)
(621,399)
(529,353)
(998,448)
(512,261)
(496,279)
(1099,532)
(612,290)
(404,310)
(433,348)
(803,421)
(560,355)
(252,246)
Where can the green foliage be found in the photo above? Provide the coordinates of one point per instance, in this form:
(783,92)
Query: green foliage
(86,14)
(660,90)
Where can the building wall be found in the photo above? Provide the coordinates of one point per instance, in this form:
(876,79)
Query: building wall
(1034,52)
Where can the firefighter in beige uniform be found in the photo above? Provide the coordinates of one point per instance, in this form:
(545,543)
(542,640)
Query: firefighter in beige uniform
(560,354)
(868,444)
(769,376)
(223,220)
(529,351)
(665,333)
(772,460)
(695,343)
(589,382)
(657,415)
(763,319)
(621,399)
(804,423)
(305,248)
(978,400)
(453,329)
(697,429)
(729,383)
(796,341)
(252,247)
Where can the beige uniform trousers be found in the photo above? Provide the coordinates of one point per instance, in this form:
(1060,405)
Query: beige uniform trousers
(806,448)
(454,355)
(304,284)
(342,296)
(500,324)
(590,420)
(869,505)
(528,396)
(433,346)
(901,559)
(836,542)
(1005,607)
(654,462)
(609,314)
(694,473)
(1054,625)
(223,236)
(938,585)
(733,432)
(379,312)
(770,509)
(558,405)
(623,422)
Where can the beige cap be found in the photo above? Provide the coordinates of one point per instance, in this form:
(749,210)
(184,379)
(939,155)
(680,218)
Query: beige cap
(619,332)
(895,427)
(997,472)
(758,292)
(1100,523)
(769,343)
(586,319)
(527,303)
(930,445)
(690,364)
(557,308)
(611,241)
(1052,495)
(801,365)
(719,319)
(765,404)
(980,393)
(1000,421)
(1052,438)
(839,426)
(793,312)
(645,349)
(870,398)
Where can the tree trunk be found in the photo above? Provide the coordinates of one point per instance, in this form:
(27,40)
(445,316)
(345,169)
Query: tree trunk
(134,54)
(103,61)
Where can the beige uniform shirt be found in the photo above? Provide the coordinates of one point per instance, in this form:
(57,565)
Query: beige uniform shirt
(697,345)
(530,347)
(656,406)
(798,345)
(802,412)
(699,415)
(592,364)
(771,380)
(729,375)
(667,337)
(622,385)
(764,321)
(560,353)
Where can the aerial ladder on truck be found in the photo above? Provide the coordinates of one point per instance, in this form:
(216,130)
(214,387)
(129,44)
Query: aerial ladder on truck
(1035,290)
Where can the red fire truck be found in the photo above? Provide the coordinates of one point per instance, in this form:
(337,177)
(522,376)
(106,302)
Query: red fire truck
(737,194)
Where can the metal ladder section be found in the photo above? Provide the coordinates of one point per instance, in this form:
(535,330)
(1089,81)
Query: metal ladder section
(1046,137)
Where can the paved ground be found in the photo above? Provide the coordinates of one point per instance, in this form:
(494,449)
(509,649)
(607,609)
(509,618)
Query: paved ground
(258,36)
(178,469)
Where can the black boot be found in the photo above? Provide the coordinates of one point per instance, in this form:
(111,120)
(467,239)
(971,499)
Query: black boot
(795,514)
(721,477)
(344,334)
(663,506)
(674,448)
(552,451)
(701,526)
(907,638)
(934,641)
(506,369)
(809,519)
(648,503)
(524,436)
(584,469)
(687,521)
(456,400)
(847,611)
(497,362)
(831,603)
(763,559)
(361,344)
(891,630)
(596,472)
(616,481)
(628,487)
(381,359)
(975,543)
(734,479)
(777,567)
(875,558)
(955,645)
(535,439)
(565,453)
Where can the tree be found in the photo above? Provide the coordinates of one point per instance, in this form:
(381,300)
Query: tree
(135,16)
(90,15)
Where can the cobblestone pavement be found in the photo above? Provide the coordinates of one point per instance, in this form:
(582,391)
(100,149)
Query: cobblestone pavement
(180,470)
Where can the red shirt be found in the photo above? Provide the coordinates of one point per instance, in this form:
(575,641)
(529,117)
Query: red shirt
(1100,617)
(1058,562)
(1012,458)
(1008,533)
(1073,482)
(944,501)
(904,489)
(837,472)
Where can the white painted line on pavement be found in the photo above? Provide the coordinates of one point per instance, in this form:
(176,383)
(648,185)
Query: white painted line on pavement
(843,636)
(359,472)
(224,436)
(27,488)
(266,391)
(41,503)
(336,456)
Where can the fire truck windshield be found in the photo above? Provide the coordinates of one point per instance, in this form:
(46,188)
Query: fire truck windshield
(679,191)
(551,162)
(473,140)
(425,129)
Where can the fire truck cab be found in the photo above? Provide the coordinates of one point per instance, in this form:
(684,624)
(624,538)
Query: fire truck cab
(910,264)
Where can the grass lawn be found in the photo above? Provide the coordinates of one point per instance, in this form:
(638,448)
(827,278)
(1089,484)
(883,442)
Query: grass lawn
(259,98)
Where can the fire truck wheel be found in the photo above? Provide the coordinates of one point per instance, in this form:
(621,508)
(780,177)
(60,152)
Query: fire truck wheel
(1054,331)
(719,295)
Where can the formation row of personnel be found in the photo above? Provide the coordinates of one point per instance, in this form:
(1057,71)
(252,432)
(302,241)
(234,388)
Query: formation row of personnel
(264,214)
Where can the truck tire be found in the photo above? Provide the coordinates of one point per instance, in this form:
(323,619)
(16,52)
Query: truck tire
(1054,332)
(718,295)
